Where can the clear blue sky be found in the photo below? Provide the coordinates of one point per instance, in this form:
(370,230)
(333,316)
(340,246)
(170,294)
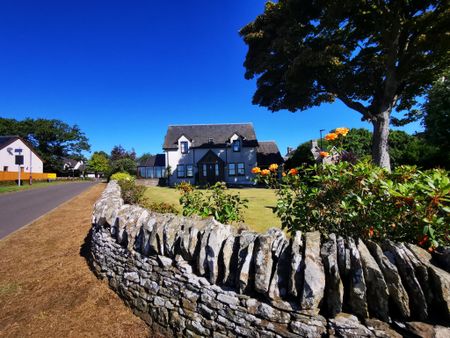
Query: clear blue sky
(124,70)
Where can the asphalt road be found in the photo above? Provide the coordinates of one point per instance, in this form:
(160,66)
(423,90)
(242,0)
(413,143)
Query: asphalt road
(20,208)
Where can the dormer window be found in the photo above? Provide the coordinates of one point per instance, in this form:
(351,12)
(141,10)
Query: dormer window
(237,145)
(210,140)
(184,147)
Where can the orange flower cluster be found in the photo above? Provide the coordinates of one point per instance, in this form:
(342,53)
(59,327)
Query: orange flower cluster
(273,167)
(424,240)
(371,232)
(265,172)
(324,154)
(256,170)
(331,136)
(342,131)
(293,172)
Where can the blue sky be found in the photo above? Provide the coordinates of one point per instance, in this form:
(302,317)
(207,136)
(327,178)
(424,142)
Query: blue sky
(124,70)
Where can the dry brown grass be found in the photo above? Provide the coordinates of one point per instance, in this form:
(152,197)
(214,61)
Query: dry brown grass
(46,287)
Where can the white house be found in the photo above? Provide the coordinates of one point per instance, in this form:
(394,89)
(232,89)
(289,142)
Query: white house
(13,146)
(208,153)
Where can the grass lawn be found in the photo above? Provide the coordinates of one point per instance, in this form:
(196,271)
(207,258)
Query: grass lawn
(259,216)
(11,188)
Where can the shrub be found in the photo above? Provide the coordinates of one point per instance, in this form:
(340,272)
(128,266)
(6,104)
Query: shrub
(224,207)
(161,207)
(132,193)
(121,176)
(366,201)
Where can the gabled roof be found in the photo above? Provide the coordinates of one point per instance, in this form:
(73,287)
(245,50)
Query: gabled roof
(200,135)
(158,160)
(268,153)
(8,139)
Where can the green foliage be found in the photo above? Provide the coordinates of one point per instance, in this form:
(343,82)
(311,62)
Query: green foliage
(437,117)
(404,149)
(51,139)
(224,207)
(366,201)
(122,176)
(161,207)
(131,192)
(305,53)
(122,160)
(98,163)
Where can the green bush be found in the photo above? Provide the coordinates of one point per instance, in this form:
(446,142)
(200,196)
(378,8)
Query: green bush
(161,207)
(366,201)
(132,193)
(121,176)
(215,201)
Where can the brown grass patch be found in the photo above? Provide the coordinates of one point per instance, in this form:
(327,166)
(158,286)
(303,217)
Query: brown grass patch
(46,287)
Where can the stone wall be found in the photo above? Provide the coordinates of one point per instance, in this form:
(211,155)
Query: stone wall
(193,277)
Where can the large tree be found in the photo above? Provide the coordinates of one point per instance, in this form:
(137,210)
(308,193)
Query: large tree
(99,163)
(374,56)
(436,116)
(52,139)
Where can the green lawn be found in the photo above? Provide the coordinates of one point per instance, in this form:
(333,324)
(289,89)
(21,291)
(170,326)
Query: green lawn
(11,188)
(259,216)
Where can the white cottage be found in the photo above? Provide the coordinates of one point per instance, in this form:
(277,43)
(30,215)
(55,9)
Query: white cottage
(208,153)
(12,146)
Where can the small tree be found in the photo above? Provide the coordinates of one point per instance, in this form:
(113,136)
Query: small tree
(98,163)
(374,56)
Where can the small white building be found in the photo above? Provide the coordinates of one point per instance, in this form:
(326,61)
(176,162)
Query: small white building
(12,146)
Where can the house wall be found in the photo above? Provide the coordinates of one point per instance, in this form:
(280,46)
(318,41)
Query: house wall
(8,159)
(247,155)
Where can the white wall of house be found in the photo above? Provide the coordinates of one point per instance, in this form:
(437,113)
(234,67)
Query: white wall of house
(8,159)
(247,155)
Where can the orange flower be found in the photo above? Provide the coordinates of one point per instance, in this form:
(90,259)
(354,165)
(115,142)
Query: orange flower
(324,154)
(430,249)
(265,172)
(256,170)
(331,136)
(293,171)
(283,174)
(273,167)
(424,240)
(342,131)
(371,232)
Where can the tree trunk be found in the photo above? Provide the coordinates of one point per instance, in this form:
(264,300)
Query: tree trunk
(380,148)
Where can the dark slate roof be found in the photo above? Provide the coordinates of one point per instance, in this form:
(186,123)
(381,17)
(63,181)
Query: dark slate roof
(6,140)
(201,134)
(268,153)
(158,160)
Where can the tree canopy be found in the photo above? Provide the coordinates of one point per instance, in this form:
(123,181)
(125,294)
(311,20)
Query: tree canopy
(51,139)
(99,163)
(374,56)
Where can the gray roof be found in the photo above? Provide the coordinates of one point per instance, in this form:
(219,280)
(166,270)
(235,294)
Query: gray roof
(6,140)
(268,153)
(158,160)
(201,134)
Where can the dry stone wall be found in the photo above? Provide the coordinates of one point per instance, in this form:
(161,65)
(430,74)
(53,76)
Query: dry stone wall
(194,277)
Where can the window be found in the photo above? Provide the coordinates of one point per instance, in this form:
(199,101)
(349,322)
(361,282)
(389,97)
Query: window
(181,171)
(184,147)
(216,169)
(237,145)
(158,172)
(210,140)
(5,168)
(189,170)
(240,169)
(149,173)
(232,169)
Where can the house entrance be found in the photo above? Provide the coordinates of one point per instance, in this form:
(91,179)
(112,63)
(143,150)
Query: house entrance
(210,169)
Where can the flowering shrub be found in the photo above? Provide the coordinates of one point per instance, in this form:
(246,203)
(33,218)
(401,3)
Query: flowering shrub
(224,207)
(121,176)
(366,201)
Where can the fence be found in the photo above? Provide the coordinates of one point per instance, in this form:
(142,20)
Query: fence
(13,176)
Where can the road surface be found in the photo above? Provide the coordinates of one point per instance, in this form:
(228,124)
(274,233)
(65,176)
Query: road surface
(20,208)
